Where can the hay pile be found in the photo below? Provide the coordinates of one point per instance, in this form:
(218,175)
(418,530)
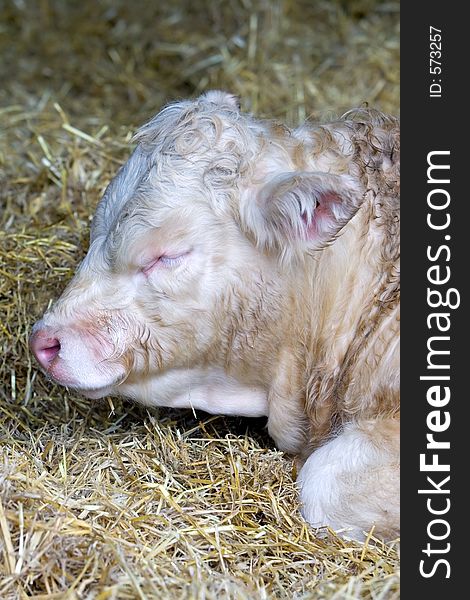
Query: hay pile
(108,500)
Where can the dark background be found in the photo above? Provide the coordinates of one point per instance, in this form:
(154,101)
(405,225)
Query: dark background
(432,124)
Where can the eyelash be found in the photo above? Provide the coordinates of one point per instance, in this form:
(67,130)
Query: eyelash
(171,261)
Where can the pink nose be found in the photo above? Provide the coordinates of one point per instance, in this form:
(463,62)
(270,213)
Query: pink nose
(44,346)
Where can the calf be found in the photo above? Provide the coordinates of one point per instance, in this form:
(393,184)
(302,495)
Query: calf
(241,267)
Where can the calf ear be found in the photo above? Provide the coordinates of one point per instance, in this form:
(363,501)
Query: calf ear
(300,211)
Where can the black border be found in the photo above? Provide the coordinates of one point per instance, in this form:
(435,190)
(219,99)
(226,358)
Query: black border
(430,124)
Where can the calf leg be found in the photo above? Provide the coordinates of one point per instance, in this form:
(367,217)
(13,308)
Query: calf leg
(352,482)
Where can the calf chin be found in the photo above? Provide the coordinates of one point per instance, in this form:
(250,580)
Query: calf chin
(208,389)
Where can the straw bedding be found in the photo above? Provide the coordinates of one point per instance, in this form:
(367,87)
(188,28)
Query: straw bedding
(105,499)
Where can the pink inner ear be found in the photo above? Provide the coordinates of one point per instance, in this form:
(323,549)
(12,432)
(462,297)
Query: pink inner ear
(323,218)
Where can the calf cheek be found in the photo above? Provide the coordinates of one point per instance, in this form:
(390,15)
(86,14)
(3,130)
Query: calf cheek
(172,337)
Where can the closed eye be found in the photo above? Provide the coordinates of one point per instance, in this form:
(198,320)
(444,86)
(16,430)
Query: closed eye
(165,261)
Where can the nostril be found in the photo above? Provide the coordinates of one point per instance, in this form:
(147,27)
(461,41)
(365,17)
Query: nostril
(52,350)
(45,349)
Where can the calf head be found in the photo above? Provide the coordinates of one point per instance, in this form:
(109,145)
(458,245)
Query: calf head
(189,247)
